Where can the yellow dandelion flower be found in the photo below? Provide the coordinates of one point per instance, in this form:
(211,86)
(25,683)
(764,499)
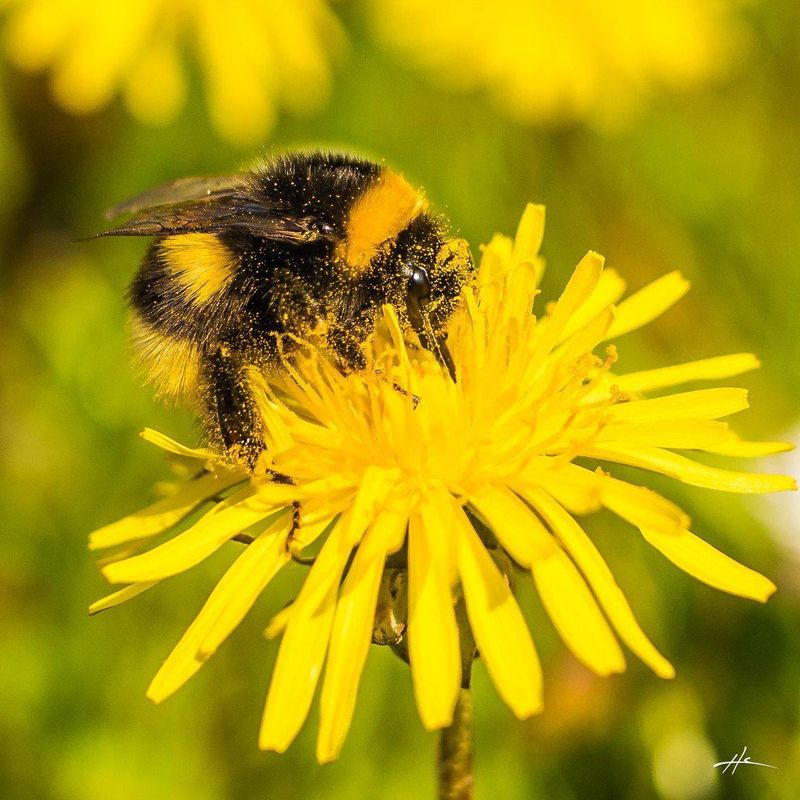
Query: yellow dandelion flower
(554,61)
(256,55)
(421,492)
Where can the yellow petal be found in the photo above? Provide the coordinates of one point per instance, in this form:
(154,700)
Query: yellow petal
(193,545)
(599,576)
(176,448)
(501,634)
(297,671)
(118,553)
(648,303)
(683,434)
(388,532)
(492,270)
(530,233)
(739,449)
(225,608)
(241,98)
(519,530)
(610,287)
(574,612)
(327,567)
(575,488)
(550,329)
(688,471)
(704,562)
(436,511)
(161,515)
(577,291)
(285,493)
(520,290)
(398,339)
(120,596)
(277,625)
(564,594)
(706,369)
(432,632)
(375,486)
(585,339)
(251,579)
(643,507)
(312,526)
(350,640)
(303,647)
(523,270)
(700,404)
(276,432)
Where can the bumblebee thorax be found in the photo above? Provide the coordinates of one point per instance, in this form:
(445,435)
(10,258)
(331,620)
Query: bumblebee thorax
(387,207)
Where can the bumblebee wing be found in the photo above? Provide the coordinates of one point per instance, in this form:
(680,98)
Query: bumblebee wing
(179,191)
(222,210)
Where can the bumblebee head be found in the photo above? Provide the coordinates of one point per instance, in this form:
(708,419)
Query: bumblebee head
(393,246)
(434,285)
(427,271)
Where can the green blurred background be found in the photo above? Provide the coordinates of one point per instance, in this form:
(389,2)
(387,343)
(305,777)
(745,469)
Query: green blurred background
(704,177)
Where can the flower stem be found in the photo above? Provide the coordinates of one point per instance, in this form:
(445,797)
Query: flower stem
(456,748)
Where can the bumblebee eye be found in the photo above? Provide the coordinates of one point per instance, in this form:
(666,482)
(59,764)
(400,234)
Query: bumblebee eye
(419,285)
(323,226)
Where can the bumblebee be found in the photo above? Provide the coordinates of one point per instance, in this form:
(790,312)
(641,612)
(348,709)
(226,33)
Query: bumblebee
(307,246)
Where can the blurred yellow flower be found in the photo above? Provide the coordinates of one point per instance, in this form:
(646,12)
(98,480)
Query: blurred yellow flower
(255,55)
(543,60)
(453,481)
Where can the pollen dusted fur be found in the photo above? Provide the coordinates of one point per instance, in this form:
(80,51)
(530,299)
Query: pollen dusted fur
(306,247)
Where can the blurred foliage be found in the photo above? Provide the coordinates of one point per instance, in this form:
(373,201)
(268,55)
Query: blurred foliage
(706,180)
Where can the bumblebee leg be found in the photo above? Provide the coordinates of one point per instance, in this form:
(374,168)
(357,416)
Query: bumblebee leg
(346,347)
(350,357)
(292,544)
(232,409)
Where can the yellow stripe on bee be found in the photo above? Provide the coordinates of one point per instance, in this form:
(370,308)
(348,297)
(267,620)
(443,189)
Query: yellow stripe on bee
(385,209)
(200,263)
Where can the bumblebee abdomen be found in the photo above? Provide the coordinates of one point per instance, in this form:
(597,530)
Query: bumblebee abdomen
(182,286)
(172,364)
(200,264)
(181,302)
